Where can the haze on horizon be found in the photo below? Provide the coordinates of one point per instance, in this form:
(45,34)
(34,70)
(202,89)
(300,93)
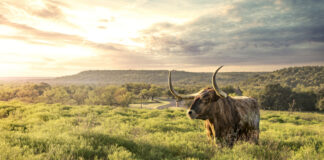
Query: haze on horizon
(56,37)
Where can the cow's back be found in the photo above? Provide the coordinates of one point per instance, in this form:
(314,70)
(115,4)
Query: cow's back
(248,110)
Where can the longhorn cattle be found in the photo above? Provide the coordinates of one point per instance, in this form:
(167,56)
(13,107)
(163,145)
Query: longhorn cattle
(227,119)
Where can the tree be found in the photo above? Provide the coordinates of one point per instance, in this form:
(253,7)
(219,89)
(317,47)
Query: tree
(320,93)
(274,96)
(102,96)
(143,95)
(27,93)
(305,101)
(167,93)
(155,92)
(122,97)
(56,95)
(80,94)
(136,87)
(320,104)
(42,87)
(291,106)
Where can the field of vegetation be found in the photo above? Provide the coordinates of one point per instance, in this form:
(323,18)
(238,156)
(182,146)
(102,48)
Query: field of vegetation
(56,131)
(149,76)
(283,89)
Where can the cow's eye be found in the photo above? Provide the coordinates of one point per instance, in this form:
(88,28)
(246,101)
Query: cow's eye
(205,100)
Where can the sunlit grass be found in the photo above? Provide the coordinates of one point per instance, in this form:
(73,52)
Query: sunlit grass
(42,131)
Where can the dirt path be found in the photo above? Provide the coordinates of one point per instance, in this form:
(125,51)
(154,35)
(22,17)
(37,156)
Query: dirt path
(172,103)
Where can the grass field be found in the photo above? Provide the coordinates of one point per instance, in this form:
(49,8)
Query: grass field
(41,131)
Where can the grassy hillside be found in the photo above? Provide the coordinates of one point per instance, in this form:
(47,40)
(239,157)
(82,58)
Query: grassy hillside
(293,77)
(149,76)
(40,131)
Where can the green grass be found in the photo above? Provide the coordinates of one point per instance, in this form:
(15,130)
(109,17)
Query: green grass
(41,131)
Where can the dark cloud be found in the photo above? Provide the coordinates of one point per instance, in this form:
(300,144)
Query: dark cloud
(159,27)
(252,32)
(284,23)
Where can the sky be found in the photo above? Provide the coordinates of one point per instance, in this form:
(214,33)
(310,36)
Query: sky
(58,37)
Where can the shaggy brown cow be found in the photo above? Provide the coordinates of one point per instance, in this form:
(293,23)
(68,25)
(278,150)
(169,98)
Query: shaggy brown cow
(227,119)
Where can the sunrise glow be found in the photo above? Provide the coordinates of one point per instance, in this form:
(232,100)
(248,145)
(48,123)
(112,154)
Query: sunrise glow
(54,38)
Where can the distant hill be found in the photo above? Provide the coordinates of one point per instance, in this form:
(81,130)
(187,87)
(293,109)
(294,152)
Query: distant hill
(294,77)
(18,80)
(151,76)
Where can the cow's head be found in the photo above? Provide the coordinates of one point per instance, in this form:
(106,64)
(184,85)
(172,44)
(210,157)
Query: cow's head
(202,100)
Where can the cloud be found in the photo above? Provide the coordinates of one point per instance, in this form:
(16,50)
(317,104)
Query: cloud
(36,36)
(251,32)
(44,9)
(101,27)
(189,34)
(103,20)
(28,32)
(51,10)
(107,20)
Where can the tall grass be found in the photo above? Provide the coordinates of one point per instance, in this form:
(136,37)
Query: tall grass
(42,131)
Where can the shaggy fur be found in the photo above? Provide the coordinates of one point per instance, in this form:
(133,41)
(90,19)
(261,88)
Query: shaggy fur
(227,120)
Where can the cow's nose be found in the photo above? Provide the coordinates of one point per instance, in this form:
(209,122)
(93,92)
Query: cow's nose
(190,112)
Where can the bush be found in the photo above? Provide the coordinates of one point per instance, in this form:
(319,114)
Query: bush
(320,104)
(274,96)
(305,101)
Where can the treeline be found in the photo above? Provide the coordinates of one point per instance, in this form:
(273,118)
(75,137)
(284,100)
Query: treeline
(159,77)
(116,95)
(298,78)
(277,97)
(272,96)
(82,94)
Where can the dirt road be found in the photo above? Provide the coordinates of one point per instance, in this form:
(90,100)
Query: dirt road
(172,103)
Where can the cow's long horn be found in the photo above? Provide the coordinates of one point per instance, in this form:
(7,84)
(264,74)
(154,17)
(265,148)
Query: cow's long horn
(177,95)
(217,90)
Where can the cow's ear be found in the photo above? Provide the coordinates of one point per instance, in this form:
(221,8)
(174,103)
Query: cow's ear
(214,96)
